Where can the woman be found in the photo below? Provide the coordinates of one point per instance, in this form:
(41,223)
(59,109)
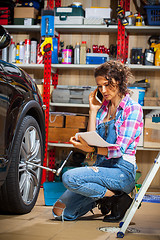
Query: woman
(117,120)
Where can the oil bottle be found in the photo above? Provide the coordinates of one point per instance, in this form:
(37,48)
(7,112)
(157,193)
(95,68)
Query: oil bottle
(139,20)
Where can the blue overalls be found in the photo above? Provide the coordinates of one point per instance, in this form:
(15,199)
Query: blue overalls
(85,185)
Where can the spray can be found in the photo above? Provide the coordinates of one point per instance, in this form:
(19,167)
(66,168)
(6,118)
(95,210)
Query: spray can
(77,54)
(12,52)
(33,51)
(17,53)
(27,51)
(21,52)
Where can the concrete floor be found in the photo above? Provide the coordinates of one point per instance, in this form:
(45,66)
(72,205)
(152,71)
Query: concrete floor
(40,225)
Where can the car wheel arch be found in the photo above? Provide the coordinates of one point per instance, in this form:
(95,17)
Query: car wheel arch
(31,108)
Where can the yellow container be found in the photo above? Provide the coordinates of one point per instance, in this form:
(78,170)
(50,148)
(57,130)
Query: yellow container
(157,58)
(138,20)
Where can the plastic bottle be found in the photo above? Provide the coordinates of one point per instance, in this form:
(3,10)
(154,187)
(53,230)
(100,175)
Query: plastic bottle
(5,54)
(27,51)
(21,52)
(33,51)
(17,53)
(77,54)
(139,20)
(12,52)
(157,57)
(83,53)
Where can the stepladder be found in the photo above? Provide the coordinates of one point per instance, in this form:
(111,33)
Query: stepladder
(123,225)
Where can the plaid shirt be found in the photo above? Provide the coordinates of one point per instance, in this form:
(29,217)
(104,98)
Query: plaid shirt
(128,126)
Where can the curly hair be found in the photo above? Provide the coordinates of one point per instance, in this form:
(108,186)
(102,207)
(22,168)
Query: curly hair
(115,70)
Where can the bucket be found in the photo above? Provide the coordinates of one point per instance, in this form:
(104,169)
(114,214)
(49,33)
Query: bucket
(52,192)
(137,94)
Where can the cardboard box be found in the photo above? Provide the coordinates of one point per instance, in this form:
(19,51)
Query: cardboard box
(76,122)
(151,133)
(61,134)
(25,12)
(151,101)
(56,120)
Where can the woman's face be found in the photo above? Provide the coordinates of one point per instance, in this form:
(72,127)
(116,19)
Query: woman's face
(109,92)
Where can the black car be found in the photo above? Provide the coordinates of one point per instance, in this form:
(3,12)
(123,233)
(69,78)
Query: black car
(22,137)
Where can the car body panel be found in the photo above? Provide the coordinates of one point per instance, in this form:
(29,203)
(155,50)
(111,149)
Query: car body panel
(19,96)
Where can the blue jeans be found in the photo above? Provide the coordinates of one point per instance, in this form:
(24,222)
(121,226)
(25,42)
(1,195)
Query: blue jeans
(87,184)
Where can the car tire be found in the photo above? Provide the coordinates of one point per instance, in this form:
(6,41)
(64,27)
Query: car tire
(19,193)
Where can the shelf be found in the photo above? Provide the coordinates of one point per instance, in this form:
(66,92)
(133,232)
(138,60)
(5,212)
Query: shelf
(141,67)
(103,28)
(75,66)
(87,106)
(148,149)
(22,28)
(151,107)
(71,146)
(30,66)
(93,66)
(142,30)
(85,28)
(60,145)
(69,105)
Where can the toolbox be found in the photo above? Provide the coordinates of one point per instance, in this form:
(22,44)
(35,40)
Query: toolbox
(69,15)
(96,58)
(72,94)
(5,16)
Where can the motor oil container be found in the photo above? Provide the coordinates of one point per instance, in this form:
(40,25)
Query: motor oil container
(138,20)
(157,58)
(149,56)
(83,53)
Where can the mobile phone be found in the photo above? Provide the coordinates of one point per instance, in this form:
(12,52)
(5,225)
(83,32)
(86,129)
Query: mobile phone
(99,96)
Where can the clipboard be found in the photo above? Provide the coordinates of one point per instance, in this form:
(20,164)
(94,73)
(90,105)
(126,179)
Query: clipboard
(94,139)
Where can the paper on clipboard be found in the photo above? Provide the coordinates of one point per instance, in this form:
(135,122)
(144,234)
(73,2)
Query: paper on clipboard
(94,139)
